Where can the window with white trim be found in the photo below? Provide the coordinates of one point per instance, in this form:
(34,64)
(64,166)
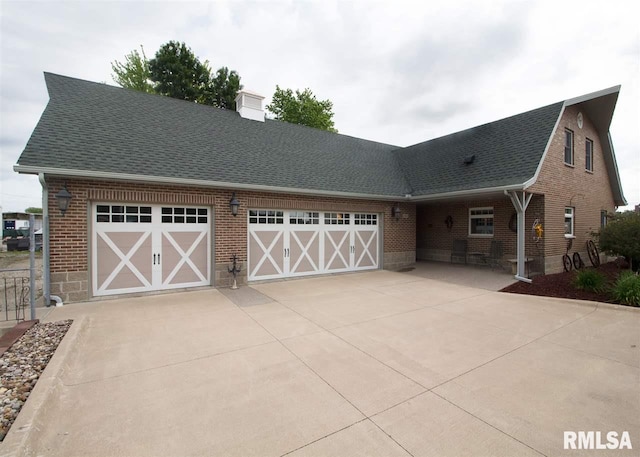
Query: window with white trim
(569,216)
(481,221)
(568,146)
(588,155)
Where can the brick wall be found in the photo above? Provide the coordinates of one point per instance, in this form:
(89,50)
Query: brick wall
(69,234)
(564,185)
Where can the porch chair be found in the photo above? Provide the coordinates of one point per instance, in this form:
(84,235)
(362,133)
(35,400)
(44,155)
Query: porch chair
(494,258)
(459,250)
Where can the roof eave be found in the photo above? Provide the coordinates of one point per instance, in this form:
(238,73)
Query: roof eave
(479,192)
(64,172)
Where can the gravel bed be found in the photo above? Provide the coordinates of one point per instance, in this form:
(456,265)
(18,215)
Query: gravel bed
(22,365)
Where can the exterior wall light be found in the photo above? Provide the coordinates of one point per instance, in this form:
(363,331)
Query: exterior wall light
(395,211)
(234,204)
(64,198)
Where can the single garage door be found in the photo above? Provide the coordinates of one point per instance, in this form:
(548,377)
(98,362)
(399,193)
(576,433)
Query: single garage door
(137,248)
(301,243)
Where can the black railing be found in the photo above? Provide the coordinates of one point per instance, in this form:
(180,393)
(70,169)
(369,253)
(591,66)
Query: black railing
(14,294)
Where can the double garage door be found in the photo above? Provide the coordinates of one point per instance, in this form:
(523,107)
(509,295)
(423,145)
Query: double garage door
(138,248)
(299,243)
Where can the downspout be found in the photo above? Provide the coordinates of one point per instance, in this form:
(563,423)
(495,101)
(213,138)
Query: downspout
(46,273)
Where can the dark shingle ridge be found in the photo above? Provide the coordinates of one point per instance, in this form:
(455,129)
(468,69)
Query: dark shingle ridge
(95,127)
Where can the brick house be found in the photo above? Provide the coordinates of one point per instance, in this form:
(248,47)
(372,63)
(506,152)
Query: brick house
(155,181)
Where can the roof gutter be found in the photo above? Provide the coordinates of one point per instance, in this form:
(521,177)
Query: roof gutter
(469,192)
(65,172)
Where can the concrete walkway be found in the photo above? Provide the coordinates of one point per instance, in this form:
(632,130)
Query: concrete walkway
(371,364)
(480,276)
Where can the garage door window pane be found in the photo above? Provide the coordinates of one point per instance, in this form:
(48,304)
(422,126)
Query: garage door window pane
(266,217)
(176,215)
(365,219)
(336,218)
(121,213)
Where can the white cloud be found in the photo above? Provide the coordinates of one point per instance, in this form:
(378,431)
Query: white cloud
(397,72)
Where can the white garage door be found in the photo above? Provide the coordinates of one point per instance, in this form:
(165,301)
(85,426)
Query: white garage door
(138,248)
(300,243)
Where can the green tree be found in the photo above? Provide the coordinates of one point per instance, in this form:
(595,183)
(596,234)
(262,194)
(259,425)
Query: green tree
(621,236)
(134,73)
(178,73)
(302,108)
(34,210)
(223,89)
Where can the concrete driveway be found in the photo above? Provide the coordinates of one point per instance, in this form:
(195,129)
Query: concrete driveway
(371,364)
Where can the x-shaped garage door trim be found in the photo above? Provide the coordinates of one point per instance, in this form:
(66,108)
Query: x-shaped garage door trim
(365,247)
(337,248)
(266,252)
(125,260)
(305,250)
(186,257)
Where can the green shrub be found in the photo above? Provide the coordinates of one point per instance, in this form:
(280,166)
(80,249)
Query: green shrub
(621,236)
(589,279)
(626,289)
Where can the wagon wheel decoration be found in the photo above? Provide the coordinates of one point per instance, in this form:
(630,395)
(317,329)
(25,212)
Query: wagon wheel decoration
(594,255)
(577,261)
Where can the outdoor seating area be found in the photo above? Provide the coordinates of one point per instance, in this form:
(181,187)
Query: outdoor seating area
(493,258)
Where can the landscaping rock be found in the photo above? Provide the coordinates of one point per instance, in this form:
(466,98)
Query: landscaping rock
(22,364)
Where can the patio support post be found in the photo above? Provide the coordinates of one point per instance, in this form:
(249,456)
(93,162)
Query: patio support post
(520,202)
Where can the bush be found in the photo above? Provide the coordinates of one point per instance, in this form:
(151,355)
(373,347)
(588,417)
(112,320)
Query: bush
(626,289)
(589,279)
(621,236)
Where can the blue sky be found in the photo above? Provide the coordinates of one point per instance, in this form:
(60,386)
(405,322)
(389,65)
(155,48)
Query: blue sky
(397,72)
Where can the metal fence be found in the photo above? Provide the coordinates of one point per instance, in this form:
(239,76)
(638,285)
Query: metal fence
(15,292)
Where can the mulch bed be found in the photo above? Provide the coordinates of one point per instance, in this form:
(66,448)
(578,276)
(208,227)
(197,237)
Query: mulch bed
(561,284)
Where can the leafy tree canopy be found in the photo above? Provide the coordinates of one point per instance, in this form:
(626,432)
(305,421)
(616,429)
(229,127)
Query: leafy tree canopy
(177,72)
(223,88)
(134,72)
(302,108)
(621,236)
(34,210)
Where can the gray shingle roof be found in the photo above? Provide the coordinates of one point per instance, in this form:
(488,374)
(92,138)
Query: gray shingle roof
(99,128)
(96,127)
(507,152)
